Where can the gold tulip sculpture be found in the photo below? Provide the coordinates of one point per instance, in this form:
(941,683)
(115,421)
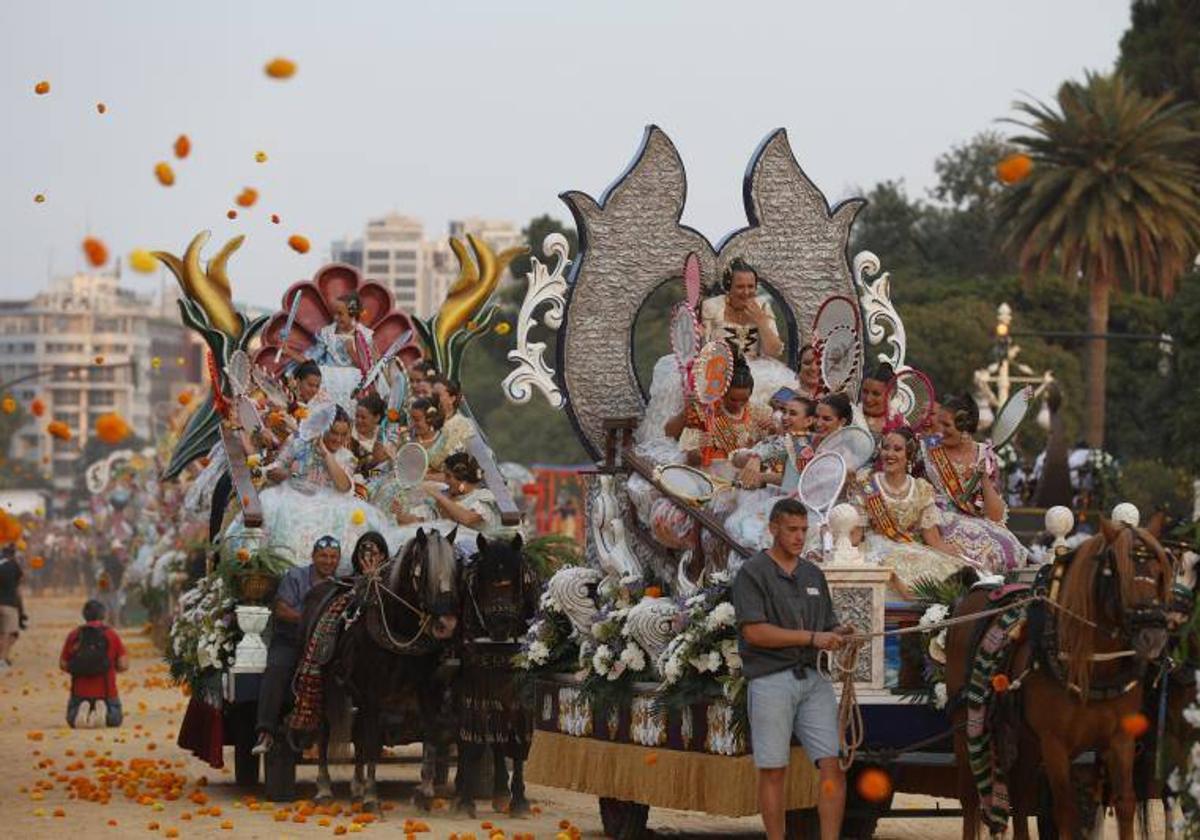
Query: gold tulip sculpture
(207,307)
(467,311)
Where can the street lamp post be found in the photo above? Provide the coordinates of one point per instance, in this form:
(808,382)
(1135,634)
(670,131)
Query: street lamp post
(994,383)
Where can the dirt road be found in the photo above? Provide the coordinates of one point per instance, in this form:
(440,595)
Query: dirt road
(134,781)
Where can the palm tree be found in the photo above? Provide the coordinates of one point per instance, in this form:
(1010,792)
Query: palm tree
(1113,198)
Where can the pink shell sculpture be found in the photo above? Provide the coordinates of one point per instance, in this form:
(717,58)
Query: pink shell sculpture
(317,297)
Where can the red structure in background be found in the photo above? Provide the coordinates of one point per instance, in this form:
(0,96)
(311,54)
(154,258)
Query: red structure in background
(557,497)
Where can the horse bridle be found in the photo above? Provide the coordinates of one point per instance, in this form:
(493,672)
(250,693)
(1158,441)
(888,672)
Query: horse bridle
(474,578)
(1148,617)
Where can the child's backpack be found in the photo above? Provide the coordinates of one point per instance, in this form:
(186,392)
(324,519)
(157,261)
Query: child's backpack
(90,658)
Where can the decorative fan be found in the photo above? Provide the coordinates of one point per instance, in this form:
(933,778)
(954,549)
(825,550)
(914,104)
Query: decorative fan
(686,483)
(318,421)
(313,301)
(837,338)
(410,464)
(910,394)
(821,483)
(265,383)
(854,444)
(712,372)
(1010,417)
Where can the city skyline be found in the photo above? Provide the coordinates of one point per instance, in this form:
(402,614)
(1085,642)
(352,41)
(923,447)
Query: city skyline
(383,114)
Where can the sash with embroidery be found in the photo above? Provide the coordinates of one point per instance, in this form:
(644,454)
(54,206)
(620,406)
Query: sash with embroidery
(882,521)
(963,496)
(721,434)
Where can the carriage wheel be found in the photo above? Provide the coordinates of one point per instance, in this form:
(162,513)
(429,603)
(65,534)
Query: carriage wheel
(862,816)
(802,824)
(624,820)
(1085,803)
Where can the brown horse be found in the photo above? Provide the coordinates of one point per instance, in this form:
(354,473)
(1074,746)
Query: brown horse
(1075,673)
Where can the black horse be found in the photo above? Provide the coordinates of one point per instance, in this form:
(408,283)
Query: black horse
(500,598)
(400,620)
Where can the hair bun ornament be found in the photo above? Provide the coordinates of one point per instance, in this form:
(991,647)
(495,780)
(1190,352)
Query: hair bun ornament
(894,423)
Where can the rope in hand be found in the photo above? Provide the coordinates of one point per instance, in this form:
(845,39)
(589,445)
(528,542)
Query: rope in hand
(842,663)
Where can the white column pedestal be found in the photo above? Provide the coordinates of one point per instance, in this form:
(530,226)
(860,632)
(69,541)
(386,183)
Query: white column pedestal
(250,656)
(859,592)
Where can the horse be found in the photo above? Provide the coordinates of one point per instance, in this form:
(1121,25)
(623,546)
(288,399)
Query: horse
(501,595)
(402,618)
(1073,673)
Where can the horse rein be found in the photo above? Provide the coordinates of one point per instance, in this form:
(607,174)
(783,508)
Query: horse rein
(376,587)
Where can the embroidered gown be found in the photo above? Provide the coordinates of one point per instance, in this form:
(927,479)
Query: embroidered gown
(748,522)
(307,506)
(339,374)
(894,522)
(990,545)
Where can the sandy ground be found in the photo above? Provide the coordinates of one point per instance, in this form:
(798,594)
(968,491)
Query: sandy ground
(50,775)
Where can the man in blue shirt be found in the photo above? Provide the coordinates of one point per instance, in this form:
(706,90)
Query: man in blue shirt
(284,652)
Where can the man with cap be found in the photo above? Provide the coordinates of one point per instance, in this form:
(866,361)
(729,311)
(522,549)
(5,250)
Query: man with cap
(286,644)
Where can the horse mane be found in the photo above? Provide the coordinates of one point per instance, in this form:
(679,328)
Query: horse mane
(1078,598)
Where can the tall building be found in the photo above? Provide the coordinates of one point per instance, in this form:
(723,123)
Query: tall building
(93,342)
(392,255)
(418,271)
(348,251)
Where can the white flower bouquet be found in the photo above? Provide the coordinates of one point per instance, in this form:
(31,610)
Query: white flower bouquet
(204,634)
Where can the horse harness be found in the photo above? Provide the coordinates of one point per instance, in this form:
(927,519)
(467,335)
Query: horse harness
(1043,627)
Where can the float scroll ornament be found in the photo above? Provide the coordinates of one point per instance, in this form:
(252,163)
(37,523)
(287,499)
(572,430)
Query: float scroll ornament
(545,287)
(885,330)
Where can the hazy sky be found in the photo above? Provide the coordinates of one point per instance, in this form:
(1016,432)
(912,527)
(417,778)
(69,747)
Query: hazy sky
(450,109)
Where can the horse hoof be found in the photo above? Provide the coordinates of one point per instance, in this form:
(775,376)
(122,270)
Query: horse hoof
(465,808)
(500,804)
(519,808)
(423,802)
(370,806)
(323,798)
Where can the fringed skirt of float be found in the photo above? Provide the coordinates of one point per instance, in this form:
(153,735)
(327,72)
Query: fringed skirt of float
(490,708)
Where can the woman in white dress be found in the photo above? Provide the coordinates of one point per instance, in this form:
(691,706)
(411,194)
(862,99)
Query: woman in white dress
(311,495)
(742,316)
(342,349)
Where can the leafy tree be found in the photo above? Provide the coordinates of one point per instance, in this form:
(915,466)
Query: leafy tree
(1160,52)
(889,226)
(1111,198)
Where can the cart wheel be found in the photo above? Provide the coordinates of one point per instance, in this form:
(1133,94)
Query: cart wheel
(1085,803)
(624,820)
(802,824)
(862,816)
(245,763)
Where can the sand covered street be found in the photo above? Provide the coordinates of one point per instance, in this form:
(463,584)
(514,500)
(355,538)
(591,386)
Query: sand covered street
(134,781)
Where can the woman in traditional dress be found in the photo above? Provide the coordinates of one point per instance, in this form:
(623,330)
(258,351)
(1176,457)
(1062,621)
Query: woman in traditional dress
(903,523)
(311,495)
(741,316)
(783,457)
(780,459)
(964,474)
(465,501)
(369,443)
(342,349)
(457,429)
(873,397)
(810,373)
(834,412)
(710,434)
